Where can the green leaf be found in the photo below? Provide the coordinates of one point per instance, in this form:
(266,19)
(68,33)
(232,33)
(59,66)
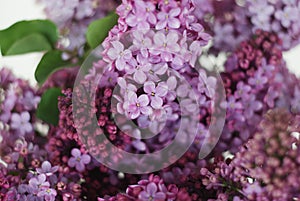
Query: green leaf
(48,107)
(50,62)
(98,30)
(28,36)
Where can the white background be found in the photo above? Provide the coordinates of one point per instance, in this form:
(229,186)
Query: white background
(23,66)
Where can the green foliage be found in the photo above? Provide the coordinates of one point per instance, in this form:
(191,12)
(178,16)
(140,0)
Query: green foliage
(28,36)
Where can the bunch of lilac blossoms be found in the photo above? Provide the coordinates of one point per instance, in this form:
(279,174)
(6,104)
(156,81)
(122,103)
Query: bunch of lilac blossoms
(271,159)
(73,17)
(152,188)
(21,145)
(253,81)
(81,176)
(154,46)
(233,21)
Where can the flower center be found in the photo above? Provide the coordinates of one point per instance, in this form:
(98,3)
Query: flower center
(152,94)
(78,159)
(138,105)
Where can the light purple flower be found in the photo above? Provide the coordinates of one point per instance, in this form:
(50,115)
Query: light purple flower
(109,79)
(156,93)
(144,14)
(30,101)
(262,9)
(156,70)
(79,160)
(242,91)
(38,183)
(151,194)
(287,15)
(232,104)
(49,194)
(119,55)
(251,105)
(84,10)
(167,42)
(20,122)
(47,169)
(125,86)
(134,106)
(207,84)
(141,43)
(259,80)
(168,19)
(143,66)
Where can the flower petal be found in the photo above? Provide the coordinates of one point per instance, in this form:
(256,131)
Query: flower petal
(76,152)
(149,87)
(143,100)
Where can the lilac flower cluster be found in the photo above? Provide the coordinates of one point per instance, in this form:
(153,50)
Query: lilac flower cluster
(152,188)
(151,68)
(234,21)
(254,84)
(73,17)
(271,159)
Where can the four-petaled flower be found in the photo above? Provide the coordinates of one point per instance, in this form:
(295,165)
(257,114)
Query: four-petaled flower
(168,19)
(47,169)
(20,122)
(287,16)
(79,160)
(156,94)
(151,194)
(134,106)
(119,55)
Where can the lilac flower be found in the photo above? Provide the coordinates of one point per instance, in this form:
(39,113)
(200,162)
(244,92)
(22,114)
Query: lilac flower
(242,91)
(157,70)
(137,105)
(79,160)
(47,169)
(109,79)
(147,9)
(251,105)
(49,194)
(287,15)
(140,71)
(119,55)
(143,15)
(141,42)
(168,19)
(263,10)
(207,84)
(30,101)
(232,104)
(259,80)
(156,93)
(126,87)
(38,183)
(151,194)
(167,42)
(85,9)
(20,122)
